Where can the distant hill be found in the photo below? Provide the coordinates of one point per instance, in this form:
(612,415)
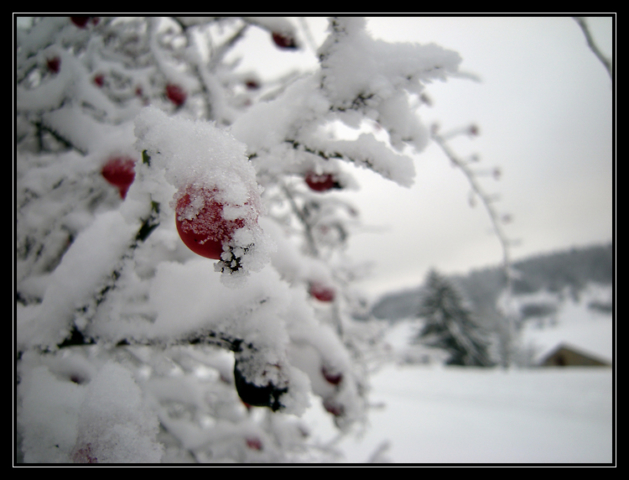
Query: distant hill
(569,270)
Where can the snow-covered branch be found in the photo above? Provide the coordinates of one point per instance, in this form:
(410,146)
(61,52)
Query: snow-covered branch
(179,236)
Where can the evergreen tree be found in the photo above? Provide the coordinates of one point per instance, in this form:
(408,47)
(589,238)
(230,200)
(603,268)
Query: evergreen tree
(450,325)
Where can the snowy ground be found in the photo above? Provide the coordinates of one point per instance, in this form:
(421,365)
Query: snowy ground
(436,414)
(439,415)
(450,415)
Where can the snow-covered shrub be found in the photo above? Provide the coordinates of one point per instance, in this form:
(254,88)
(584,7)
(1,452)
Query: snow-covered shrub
(132,348)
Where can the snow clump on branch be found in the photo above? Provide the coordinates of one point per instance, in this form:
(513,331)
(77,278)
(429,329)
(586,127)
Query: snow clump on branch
(199,157)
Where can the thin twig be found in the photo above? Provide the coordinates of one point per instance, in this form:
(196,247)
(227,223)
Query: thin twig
(308,34)
(590,41)
(41,127)
(487,201)
(304,221)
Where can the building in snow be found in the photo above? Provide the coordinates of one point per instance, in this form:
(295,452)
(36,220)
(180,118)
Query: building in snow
(578,337)
(566,355)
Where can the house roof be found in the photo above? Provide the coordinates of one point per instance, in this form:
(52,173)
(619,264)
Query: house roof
(574,324)
(594,338)
(566,346)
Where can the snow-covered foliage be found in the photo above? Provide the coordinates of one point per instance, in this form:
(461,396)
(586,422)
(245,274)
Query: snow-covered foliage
(450,324)
(132,348)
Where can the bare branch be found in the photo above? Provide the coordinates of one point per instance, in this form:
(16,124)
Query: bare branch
(487,200)
(507,330)
(590,41)
(312,246)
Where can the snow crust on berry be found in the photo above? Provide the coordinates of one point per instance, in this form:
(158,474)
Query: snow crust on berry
(196,153)
(209,222)
(198,157)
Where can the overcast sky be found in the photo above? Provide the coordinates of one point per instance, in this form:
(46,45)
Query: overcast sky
(544,109)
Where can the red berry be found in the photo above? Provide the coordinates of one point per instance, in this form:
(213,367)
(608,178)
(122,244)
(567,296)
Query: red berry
(99,80)
(119,171)
(321,292)
(53,64)
(332,378)
(322,182)
(333,407)
(140,94)
(80,21)
(284,41)
(252,84)
(200,222)
(254,443)
(176,94)
(256,395)
(84,455)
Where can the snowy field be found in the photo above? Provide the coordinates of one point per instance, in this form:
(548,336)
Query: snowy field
(436,414)
(455,415)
